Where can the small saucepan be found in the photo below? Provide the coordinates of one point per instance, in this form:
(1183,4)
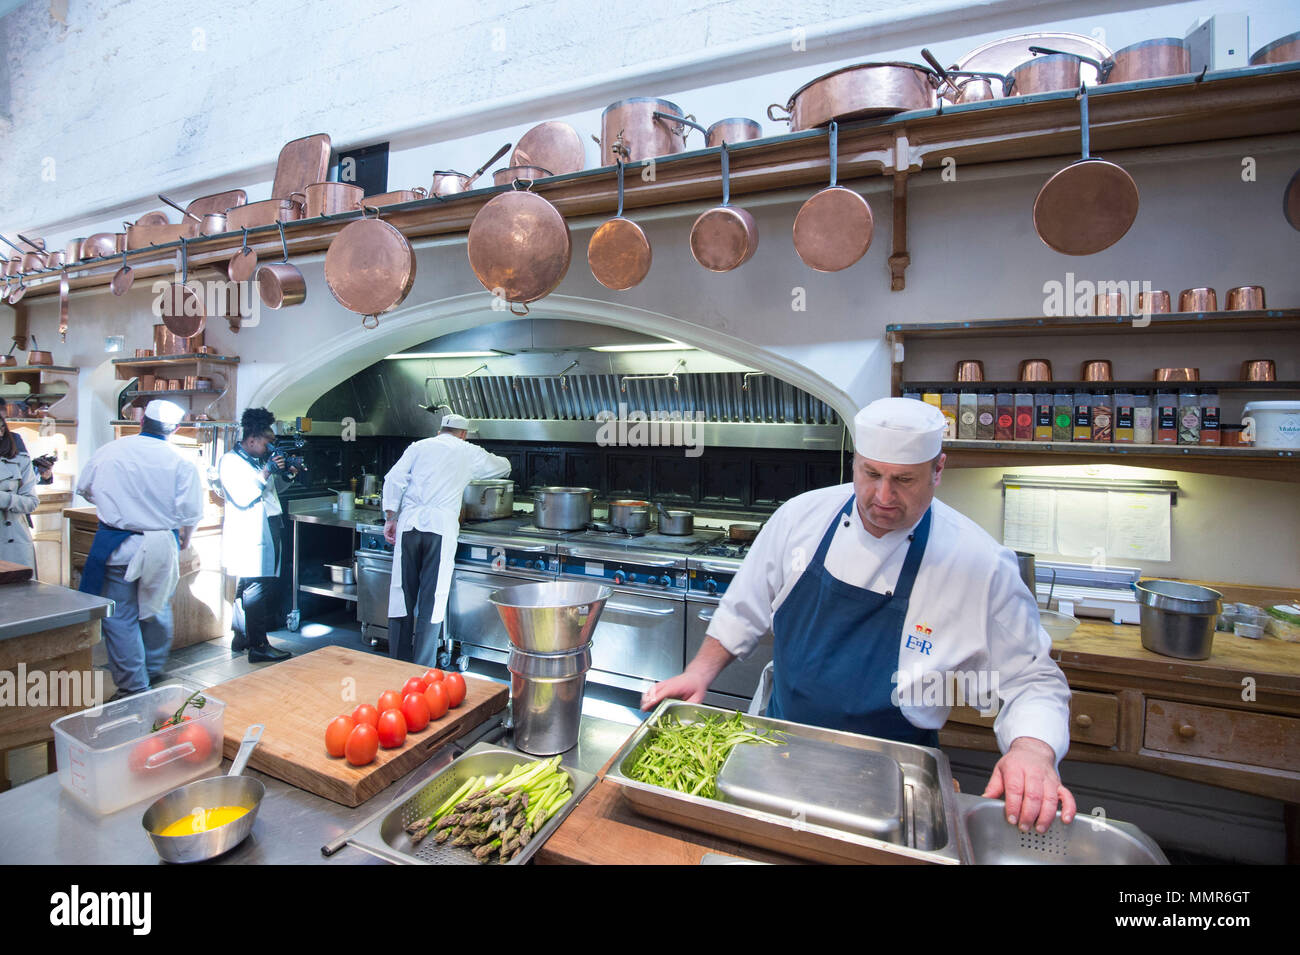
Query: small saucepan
(675,523)
(281,284)
(448,182)
(233,789)
(36,357)
(743,533)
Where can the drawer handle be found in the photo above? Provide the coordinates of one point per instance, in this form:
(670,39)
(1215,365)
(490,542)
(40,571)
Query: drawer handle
(1187,731)
(1084,720)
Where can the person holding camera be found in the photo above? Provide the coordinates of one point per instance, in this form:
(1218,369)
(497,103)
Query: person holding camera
(17,499)
(251,532)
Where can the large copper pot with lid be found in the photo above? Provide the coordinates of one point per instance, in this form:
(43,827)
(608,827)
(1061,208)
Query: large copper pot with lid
(631,130)
(857,92)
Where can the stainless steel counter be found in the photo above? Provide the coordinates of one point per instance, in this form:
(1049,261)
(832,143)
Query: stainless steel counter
(33,607)
(40,823)
(360,517)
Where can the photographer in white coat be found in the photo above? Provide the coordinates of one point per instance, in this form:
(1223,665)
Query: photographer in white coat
(875,593)
(422,499)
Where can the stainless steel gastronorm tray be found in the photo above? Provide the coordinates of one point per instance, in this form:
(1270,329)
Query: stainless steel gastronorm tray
(386,836)
(1088,840)
(932,830)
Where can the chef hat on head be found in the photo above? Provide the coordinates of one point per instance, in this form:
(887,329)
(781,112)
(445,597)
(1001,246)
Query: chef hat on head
(455,422)
(168,412)
(899,431)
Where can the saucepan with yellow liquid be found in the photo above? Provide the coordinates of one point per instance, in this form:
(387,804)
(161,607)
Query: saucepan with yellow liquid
(203,819)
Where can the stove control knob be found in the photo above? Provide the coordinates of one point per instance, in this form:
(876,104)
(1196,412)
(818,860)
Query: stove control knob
(539,564)
(711,585)
(619,577)
(666,580)
(631,577)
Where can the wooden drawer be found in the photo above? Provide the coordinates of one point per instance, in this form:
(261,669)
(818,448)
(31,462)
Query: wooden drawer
(1094,718)
(1256,739)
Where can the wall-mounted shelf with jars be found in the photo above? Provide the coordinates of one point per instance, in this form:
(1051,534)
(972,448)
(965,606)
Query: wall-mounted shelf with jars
(216,402)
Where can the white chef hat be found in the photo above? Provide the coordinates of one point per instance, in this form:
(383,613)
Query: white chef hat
(168,412)
(454,422)
(899,431)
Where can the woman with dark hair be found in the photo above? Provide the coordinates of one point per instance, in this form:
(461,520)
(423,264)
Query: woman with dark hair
(250,533)
(17,499)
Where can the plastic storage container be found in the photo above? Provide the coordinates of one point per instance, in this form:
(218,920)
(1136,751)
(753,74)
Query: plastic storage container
(1277,423)
(109,757)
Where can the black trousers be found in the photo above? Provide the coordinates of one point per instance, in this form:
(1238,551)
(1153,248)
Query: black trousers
(421,553)
(257,599)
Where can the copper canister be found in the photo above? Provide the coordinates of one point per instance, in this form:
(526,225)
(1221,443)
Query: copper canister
(1245,298)
(145,382)
(1154,303)
(970,370)
(1110,303)
(1035,369)
(629,129)
(1258,369)
(1198,300)
(735,129)
(1097,369)
(1178,374)
(144,353)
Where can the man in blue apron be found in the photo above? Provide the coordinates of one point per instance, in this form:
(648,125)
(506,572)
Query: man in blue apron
(881,600)
(149,498)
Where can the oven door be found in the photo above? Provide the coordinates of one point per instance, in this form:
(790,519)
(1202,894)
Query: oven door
(374,572)
(641,636)
(740,678)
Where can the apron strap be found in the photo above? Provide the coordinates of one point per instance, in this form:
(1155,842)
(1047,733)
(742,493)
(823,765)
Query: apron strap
(824,547)
(912,563)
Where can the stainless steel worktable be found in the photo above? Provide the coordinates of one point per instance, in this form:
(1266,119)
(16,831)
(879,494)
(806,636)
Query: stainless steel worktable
(33,607)
(40,823)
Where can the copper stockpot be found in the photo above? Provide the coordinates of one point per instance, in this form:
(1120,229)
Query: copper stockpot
(1035,369)
(1259,369)
(1148,60)
(1110,303)
(1245,298)
(857,92)
(329,198)
(103,243)
(1198,300)
(1153,303)
(1050,70)
(970,370)
(504,177)
(629,129)
(267,211)
(1282,50)
(1097,369)
(1178,374)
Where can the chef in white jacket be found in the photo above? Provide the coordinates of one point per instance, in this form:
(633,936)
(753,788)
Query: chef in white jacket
(422,499)
(149,498)
(883,601)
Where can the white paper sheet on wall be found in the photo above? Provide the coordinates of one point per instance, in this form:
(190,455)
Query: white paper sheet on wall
(1029,519)
(1137,526)
(1081,524)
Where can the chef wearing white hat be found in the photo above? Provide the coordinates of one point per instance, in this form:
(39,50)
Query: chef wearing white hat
(880,598)
(149,498)
(422,498)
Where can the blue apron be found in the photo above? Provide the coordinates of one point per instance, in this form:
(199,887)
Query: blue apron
(107,539)
(837,646)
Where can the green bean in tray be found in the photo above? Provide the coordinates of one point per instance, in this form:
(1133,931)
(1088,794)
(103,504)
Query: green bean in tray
(687,756)
(495,817)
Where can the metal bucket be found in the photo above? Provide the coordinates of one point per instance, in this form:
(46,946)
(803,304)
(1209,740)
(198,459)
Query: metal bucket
(546,699)
(551,617)
(1177,619)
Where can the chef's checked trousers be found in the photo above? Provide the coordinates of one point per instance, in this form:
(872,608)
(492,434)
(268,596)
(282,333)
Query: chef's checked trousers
(413,638)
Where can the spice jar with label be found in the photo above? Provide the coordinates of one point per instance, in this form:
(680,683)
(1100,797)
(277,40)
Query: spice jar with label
(1043,416)
(967,412)
(1123,417)
(1082,416)
(1166,417)
(1062,416)
(984,426)
(948,405)
(1143,418)
(1004,422)
(1210,432)
(1102,418)
(1189,417)
(1023,429)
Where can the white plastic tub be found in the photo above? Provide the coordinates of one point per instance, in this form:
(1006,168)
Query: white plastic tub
(1277,423)
(109,757)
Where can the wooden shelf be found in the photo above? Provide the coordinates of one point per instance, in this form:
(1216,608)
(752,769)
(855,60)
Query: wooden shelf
(127,368)
(132,393)
(1277,319)
(31,369)
(58,422)
(1223,105)
(184,426)
(1263,463)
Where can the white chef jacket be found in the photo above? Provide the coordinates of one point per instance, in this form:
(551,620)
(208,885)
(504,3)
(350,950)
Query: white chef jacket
(247,548)
(138,483)
(969,613)
(424,489)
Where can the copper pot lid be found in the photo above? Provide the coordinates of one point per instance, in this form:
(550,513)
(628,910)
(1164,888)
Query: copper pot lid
(369,267)
(1089,205)
(519,246)
(833,228)
(554,146)
(724,237)
(619,253)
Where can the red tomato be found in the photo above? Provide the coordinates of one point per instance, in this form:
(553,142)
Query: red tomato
(365,713)
(150,746)
(362,744)
(415,684)
(337,733)
(455,689)
(416,712)
(389,700)
(198,737)
(392,729)
(436,697)
(434,676)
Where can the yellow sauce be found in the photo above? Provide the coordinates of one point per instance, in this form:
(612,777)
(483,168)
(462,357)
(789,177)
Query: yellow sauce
(201,820)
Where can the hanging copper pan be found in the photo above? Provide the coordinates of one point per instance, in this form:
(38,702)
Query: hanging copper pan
(832,230)
(1291,201)
(724,237)
(243,265)
(1089,205)
(519,247)
(281,284)
(369,267)
(182,306)
(619,252)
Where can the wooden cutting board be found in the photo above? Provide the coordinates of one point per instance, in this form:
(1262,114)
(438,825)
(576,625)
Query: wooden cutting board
(297,698)
(11,573)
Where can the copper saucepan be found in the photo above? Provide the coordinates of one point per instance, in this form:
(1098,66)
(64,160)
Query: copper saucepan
(965,86)
(509,174)
(448,182)
(250,215)
(210,223)
(743,533)
(735,129)
(281,284)
(183,306)
(833,228)
(724,237)
(37,357)
(619,253)
(1049,71)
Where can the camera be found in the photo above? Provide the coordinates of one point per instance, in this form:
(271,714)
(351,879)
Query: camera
(286,449)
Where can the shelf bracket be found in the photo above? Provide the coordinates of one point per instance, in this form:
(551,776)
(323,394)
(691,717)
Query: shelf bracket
(899,259)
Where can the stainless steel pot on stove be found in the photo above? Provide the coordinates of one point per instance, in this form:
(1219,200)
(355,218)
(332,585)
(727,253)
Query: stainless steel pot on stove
(675,523)
(562,508)
(488,500)
(632,516)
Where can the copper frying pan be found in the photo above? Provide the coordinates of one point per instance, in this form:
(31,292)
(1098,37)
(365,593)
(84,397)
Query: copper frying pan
(243,265)
(183,305)
(619,252)
(833,228)
(1089,205)
(369,267)
(519,247)
(122,278)
(724,237)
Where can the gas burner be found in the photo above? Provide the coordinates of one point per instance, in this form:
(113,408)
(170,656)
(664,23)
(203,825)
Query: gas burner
(736,551)
(613,530)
